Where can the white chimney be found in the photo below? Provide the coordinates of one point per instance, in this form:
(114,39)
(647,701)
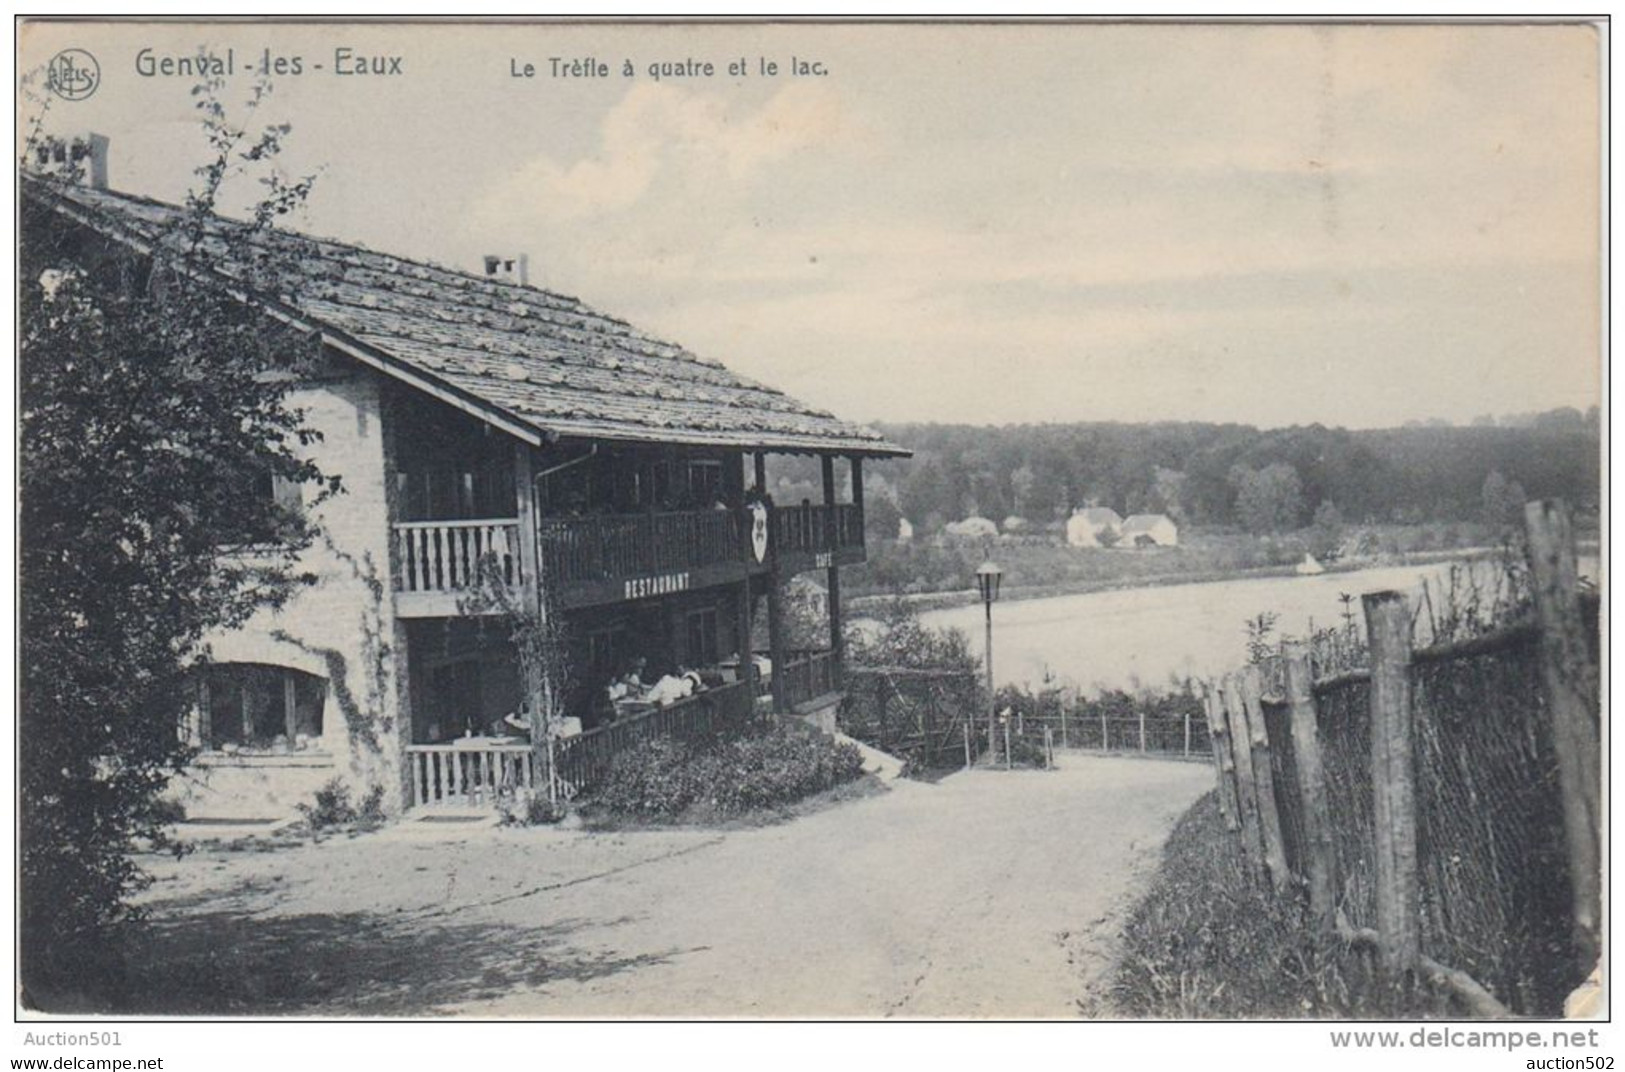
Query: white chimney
(82,157)
(508,269)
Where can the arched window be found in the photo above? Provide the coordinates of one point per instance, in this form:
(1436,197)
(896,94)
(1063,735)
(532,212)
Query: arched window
(257,707)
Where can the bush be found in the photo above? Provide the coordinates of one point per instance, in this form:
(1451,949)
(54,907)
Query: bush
(533,810)
(333,807)
(665,776)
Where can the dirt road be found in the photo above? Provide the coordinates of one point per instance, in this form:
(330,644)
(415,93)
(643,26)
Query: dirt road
(987,894)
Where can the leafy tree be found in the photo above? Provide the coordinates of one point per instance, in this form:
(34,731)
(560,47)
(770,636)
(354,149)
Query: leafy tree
(1503,500)
(880,518)
(154,421)
(1326,533)
(1268,499)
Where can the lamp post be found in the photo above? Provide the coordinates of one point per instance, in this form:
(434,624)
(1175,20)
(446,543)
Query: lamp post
(987,580)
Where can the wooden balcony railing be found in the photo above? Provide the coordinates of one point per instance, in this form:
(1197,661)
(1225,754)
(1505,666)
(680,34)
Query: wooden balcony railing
(583,760)
(445,556)
(469,775)
(805,528)
(809,675)
(612,547)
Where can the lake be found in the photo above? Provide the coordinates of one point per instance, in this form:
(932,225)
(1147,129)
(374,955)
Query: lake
(1122,638)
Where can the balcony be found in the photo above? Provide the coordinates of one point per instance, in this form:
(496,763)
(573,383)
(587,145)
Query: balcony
(802,537)
(611,558)
(439,564)
(617,557)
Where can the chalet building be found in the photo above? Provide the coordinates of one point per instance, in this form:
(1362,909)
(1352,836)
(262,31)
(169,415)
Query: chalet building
(505,451)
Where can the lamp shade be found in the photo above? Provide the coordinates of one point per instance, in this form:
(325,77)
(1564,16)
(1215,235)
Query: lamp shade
(988,576)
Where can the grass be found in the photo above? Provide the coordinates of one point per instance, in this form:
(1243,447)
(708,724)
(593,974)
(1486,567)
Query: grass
(1211,942)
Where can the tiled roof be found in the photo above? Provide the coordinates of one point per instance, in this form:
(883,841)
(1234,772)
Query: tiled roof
(1145,522)
(542,358)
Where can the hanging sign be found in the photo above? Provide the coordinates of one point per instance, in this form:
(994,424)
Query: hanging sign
(758,530)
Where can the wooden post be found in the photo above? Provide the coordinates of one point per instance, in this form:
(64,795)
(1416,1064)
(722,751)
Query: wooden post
(1269,815)
(747,663)
(1105,734)
(1142,728)
(1049,748)
(1065,743)
(775,641)
(966,727)
(525,493)
(1320,860)
(1187,733)
(1393,779)
(1571,684)
(1224,764)
(1235,711)
(1006,744)
(837,645)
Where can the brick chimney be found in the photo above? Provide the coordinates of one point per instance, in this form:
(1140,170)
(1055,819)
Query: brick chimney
(83,156)
(508,269)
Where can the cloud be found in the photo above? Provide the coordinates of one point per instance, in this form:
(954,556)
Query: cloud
(661,141)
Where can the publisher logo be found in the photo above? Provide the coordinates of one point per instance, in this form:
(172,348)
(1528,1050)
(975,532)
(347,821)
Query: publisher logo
(73,74)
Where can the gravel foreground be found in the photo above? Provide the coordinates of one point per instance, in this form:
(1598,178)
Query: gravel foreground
(986,895)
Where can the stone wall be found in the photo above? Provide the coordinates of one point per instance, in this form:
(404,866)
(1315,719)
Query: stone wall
(341,628)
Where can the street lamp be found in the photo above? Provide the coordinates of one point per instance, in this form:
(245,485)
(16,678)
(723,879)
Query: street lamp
(988,576)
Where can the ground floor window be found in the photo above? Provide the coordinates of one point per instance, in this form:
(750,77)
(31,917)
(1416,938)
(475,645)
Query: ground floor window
(256,707)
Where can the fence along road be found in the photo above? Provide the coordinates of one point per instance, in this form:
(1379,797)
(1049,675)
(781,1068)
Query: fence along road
(1438,804)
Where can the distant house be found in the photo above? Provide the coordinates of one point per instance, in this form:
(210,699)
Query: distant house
(905,530)
(1309,566)
(971,527)
(1149,530)
(1014,525)
(1093,526)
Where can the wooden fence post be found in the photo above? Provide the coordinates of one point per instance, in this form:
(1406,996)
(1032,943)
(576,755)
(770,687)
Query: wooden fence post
(1105,734)
(1393,780)
(1187,733)
(1269,815)
(1246,785)
(1320,860)
(1223,763)
(1142,727)
(1065,742)
(1570,680)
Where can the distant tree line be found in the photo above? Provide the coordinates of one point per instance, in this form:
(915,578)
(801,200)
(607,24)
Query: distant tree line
(1269,480)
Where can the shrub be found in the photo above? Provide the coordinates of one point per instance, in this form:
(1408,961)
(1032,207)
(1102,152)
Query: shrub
(533,810)
(665,776)
(333,807)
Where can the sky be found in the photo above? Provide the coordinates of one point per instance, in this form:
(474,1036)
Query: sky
(1271,225)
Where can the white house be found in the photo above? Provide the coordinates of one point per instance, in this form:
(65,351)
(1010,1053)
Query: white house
(905,530)
(1309,567)
(1088,524)
(1149,530)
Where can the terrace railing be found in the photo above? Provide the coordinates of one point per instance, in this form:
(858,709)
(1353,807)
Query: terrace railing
(611,547)
(805,528)
(445,556)
(584,760)
(468,776)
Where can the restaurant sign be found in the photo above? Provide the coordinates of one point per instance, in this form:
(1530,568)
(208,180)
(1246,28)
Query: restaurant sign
(660,585)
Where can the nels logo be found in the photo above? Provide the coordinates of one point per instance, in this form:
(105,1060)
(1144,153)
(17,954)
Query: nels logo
(73,74)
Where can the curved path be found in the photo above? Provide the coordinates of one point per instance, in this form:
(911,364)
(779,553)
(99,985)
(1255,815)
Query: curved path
(989,894)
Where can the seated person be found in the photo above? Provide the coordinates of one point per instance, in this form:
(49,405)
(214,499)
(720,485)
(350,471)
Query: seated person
(671,688)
